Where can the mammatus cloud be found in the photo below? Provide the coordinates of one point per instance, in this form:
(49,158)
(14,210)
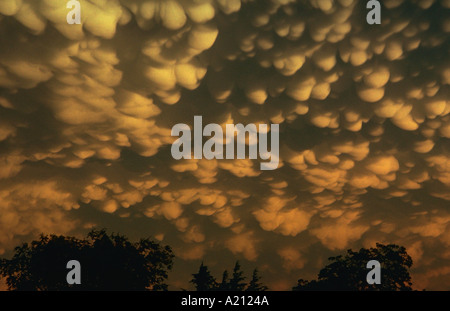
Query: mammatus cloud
(86,113)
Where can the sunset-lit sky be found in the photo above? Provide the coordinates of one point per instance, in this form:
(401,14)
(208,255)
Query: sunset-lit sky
(86,113)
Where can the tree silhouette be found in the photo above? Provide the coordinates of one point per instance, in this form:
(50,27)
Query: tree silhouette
(224,285)
(237,281)
(108,262)
(349,272)
(203,280)
(255,285)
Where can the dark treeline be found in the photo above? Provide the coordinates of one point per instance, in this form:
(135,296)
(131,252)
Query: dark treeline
(349,272)
(109,262)
(204,281)
(112,262)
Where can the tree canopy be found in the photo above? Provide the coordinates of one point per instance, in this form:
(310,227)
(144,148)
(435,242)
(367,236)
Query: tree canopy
(112,262)
(237,281)
(203,280)
(255,285)
(108,262)
(224,285)
(348,273)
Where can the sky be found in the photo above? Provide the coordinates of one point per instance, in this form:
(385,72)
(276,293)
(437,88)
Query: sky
(86,113)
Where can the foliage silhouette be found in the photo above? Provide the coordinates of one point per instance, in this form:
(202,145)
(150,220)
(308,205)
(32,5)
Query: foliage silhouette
(203,280)
(348,273)
(237,281)
(224,285)
(108,262)
(255,285)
